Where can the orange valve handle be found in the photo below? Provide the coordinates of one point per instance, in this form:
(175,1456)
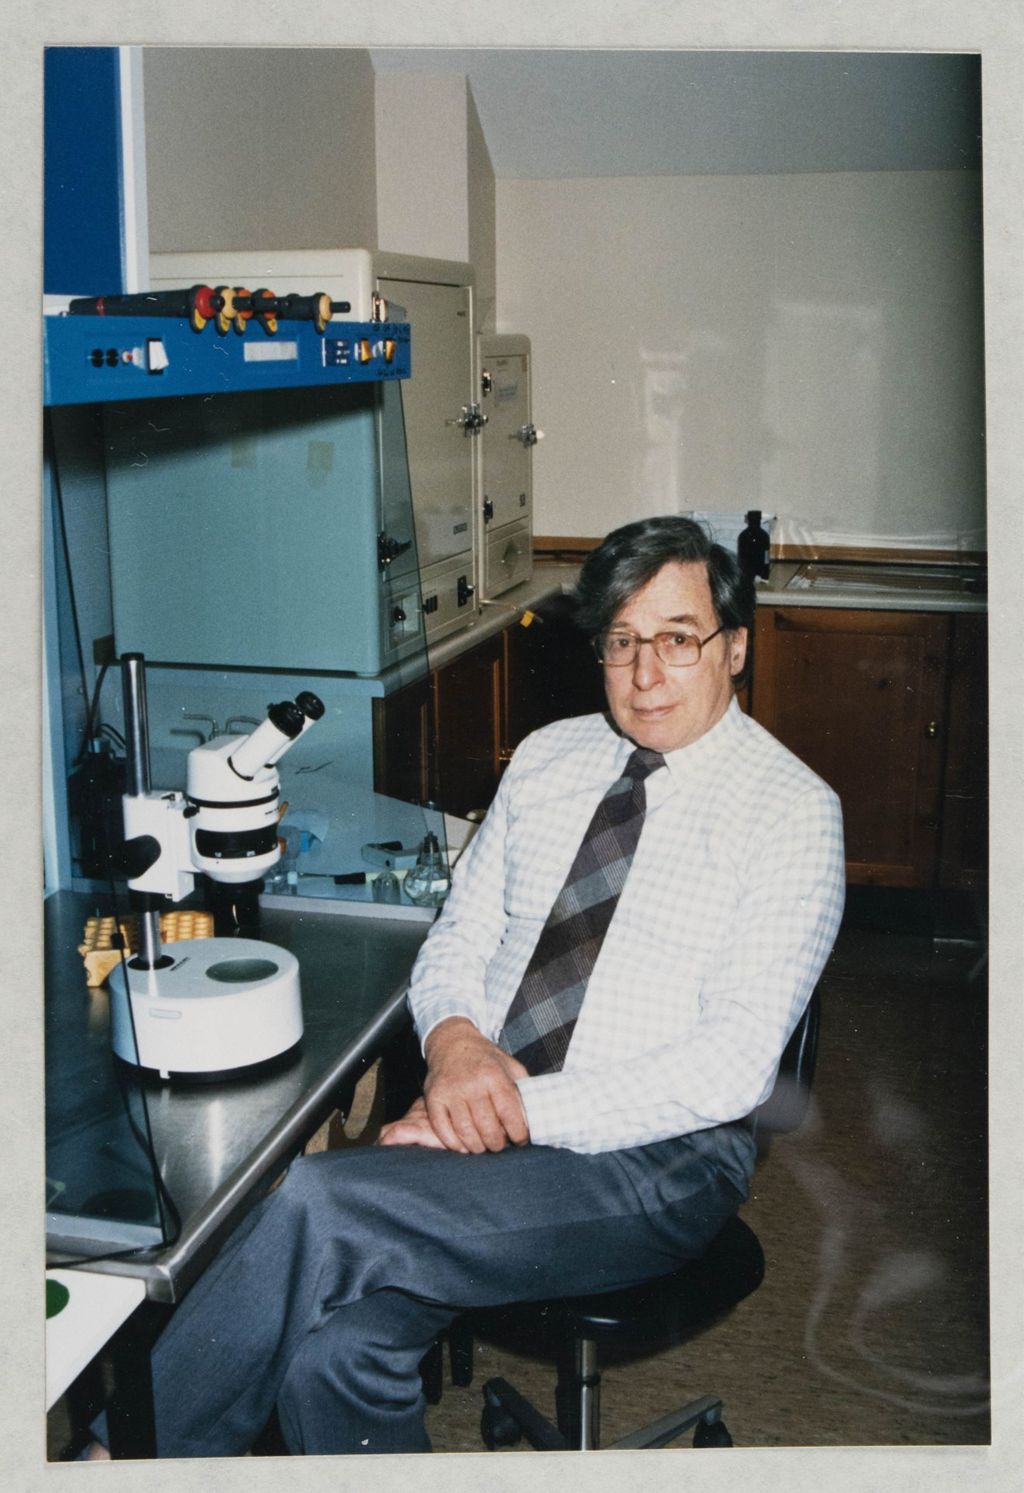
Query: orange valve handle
(263,305)
(232,314)
(225,295)
(204,304)
(242,300)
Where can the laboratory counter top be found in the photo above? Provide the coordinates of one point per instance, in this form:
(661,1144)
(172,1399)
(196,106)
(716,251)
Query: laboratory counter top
(218,1145)
(880,586)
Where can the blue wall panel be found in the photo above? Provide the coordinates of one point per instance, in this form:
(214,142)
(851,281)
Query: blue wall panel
(84,190)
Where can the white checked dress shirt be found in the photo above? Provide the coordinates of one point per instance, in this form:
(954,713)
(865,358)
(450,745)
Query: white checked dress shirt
(728,914)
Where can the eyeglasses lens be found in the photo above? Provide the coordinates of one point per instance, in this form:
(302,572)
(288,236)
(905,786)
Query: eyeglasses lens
(678,650)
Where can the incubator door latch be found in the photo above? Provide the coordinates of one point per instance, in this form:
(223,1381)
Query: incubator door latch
(471,418)
(388,549)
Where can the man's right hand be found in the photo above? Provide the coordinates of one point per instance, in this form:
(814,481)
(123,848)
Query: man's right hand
(472,1100)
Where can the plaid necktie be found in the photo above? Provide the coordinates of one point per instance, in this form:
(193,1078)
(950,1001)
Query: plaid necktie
(544,1009)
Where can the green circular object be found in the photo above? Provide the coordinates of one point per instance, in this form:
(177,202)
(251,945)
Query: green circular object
(57,1298)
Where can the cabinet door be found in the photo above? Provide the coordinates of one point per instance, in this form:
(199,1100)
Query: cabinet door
(404,760)
(859,696)
(505,456)
(550,673)
(963,861)
(467,705)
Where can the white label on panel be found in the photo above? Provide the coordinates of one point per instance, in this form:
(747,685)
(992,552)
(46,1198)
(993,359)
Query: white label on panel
(271,352)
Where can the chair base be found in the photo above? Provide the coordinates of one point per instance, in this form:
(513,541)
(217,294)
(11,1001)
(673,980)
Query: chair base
(507,1417)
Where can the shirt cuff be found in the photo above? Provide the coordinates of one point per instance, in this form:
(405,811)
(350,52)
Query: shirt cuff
(545,1112)
(438,1011)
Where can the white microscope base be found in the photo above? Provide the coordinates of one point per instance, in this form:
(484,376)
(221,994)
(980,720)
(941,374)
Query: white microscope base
(224,1003)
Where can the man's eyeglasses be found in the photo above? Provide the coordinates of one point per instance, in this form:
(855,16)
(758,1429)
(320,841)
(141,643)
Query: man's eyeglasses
(680,650)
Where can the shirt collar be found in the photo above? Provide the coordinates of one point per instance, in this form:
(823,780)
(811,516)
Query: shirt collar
(707,748)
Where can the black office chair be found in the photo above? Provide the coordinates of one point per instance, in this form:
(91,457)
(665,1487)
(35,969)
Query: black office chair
(670,1309)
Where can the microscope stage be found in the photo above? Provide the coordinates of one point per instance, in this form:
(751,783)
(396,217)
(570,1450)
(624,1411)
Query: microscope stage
(223,1004)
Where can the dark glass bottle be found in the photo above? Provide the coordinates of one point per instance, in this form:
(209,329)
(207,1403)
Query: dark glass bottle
(752,547)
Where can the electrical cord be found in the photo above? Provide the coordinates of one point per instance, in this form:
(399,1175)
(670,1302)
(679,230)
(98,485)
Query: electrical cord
(114,734)
(66,548)
(91,730)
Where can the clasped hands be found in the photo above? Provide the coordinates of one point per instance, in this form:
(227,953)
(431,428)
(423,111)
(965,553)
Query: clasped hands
(470,1102)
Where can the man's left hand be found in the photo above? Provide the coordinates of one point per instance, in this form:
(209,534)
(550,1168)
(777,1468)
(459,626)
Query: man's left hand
(413,1129)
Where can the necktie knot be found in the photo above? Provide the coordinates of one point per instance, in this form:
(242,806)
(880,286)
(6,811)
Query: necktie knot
(641,763)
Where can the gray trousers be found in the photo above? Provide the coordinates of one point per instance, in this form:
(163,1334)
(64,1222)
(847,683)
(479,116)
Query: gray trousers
(328,1295)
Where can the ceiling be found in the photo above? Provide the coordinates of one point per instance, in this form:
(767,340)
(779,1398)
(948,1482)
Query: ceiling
(559,113)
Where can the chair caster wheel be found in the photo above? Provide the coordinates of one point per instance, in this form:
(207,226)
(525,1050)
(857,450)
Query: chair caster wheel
(497,1427)
(715,1433)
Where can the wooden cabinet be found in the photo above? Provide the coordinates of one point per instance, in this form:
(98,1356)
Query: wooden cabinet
(403,743)
(551,672)
(447,739)
(468,726)
(963,848)
(889,708)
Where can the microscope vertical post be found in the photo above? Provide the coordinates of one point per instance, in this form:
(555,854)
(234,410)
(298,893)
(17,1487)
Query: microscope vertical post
(136,718)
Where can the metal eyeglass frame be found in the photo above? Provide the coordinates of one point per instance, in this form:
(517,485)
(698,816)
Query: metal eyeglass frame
(623,663)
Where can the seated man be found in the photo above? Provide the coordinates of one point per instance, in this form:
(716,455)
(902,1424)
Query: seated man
(593,1038)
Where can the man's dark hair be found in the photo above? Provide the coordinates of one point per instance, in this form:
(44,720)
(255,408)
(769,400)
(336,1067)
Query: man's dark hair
(631,556)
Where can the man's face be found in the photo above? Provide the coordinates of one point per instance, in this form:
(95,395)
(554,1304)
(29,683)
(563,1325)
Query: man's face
(658,706)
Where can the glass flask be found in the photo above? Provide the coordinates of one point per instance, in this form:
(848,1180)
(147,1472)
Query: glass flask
(428,882)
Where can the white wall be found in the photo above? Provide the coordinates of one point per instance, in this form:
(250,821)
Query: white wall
(810,345)
(421,166)
(261,147)
(435,182)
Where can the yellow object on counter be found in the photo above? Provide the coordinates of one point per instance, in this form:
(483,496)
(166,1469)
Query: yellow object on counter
(104,938)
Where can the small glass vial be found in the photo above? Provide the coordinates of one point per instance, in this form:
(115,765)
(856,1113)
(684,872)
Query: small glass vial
(387,887)
(428,882)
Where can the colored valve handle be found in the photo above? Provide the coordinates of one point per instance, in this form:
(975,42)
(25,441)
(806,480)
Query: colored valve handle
(269,308)
(228,307)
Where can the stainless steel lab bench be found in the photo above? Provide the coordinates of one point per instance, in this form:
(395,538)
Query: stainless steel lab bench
(218,1146)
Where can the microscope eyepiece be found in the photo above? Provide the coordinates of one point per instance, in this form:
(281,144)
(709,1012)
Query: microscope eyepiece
(289,718)
(285,723)
(311,705)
